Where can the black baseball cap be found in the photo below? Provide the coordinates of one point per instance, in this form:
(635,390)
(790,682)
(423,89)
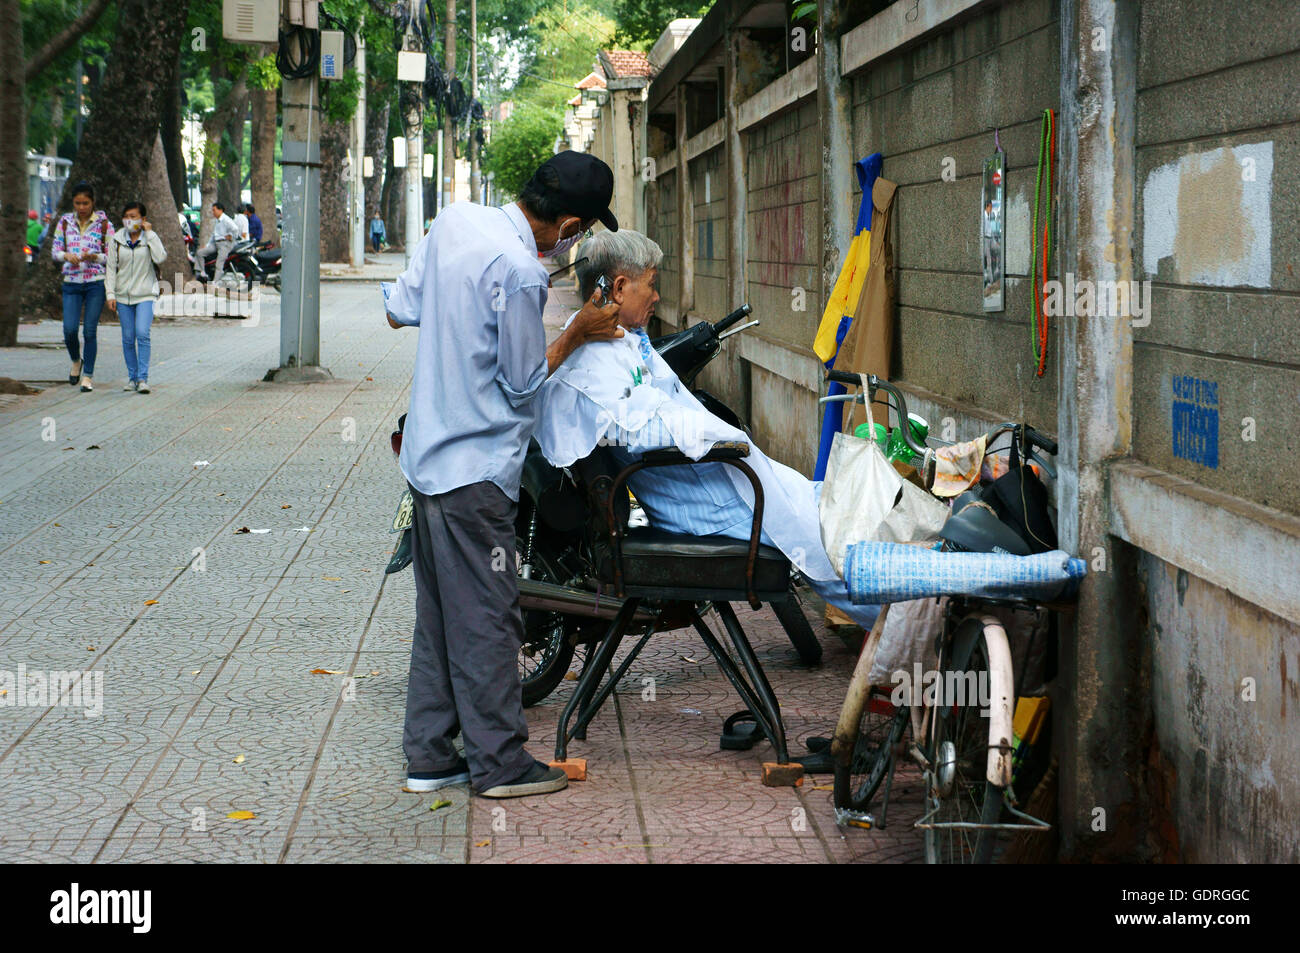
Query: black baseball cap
(582,183)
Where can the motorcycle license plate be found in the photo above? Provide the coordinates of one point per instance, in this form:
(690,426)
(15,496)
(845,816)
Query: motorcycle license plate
(405,513)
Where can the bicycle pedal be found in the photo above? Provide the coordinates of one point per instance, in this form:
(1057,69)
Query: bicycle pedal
(847,818)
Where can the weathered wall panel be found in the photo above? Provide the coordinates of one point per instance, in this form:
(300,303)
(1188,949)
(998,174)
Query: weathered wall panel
(784,162)
(661,208)
(935,107)
(1218,237)
(1225,692)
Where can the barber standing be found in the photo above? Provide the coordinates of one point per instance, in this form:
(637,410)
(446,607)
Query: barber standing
(476,290)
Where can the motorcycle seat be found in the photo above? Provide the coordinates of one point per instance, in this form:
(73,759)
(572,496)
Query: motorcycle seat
(269,254)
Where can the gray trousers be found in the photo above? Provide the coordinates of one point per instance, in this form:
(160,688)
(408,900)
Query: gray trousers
(464,671)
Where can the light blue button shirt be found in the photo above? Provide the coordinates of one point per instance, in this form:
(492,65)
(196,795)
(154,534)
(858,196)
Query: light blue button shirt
(476,291)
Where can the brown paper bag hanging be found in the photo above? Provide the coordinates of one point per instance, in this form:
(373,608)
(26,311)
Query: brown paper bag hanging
(870,340)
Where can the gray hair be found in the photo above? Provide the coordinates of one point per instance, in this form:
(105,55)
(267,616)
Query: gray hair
(624,252)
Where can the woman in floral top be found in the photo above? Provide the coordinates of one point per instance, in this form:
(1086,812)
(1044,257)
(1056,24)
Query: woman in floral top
(81,244)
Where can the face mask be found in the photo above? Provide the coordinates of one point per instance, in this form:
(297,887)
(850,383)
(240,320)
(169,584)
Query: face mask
(131,224)
(563,245)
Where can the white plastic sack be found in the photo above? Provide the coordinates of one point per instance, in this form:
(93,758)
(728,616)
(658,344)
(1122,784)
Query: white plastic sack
(907,638)
(859,492)
(865,498)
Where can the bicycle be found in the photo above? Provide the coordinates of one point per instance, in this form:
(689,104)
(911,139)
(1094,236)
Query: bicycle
(965,751)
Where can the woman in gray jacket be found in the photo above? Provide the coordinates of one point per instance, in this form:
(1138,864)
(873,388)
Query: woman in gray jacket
(131,286)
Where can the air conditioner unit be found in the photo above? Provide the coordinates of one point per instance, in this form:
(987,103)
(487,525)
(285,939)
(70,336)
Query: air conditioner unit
(331,54)
(250,21)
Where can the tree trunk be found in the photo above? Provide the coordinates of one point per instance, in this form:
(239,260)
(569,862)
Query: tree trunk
(394,200)
(56,121)
(222,115)
(163,216)
(261,159)
(230,185)
(173,124)
(122,130)
(334,218)
(13,171)
(377,149)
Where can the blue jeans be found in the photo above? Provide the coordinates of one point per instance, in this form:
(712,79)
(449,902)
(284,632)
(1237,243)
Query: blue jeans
(79,296)
(136,319)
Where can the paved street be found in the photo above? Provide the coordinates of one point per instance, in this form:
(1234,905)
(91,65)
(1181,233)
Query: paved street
(123,551)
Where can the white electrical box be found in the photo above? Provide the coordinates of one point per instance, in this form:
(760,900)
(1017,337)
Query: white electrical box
(331,54)
(410,66)
(250,21)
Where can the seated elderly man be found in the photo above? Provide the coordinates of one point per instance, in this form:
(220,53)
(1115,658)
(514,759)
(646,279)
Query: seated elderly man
(621,393)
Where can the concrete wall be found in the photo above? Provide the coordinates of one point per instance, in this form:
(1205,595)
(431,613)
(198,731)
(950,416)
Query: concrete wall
(709,192)
(942,99)
(661,212)
(1229,764)
(1218,234)
(1180,157)
(616,140)
(783,222)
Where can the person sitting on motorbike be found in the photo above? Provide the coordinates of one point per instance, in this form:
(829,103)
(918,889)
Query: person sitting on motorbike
(621,394)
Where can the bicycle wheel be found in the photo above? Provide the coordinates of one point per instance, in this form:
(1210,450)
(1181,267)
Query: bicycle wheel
(957,791)
(879,732)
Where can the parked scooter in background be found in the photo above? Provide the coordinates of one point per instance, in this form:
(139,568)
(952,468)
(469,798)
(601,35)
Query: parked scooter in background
(268,262)
(242,262)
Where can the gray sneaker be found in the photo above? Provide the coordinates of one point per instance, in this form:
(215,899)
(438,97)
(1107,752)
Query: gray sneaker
(539,779)
(142,387)
(130,385)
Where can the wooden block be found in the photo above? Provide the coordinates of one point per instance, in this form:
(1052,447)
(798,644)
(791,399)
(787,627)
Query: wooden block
(782,775)
(575,768)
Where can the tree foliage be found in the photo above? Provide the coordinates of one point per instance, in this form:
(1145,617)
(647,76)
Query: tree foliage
(520,145)
(42,19)
(641,22)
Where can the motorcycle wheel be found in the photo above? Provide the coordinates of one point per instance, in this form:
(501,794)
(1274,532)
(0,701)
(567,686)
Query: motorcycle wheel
(545,655)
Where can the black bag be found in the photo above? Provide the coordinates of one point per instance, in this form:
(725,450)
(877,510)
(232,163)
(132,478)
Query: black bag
(1020,500)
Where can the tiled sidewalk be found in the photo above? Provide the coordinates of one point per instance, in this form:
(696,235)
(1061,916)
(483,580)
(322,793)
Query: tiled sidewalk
(120,554)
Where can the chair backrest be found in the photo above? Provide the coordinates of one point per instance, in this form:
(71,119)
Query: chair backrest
(595,475)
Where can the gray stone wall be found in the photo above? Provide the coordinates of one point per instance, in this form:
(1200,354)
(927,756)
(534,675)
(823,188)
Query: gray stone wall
(784,222)
(942,99)
(709,190)
(1218,236)
(661,213)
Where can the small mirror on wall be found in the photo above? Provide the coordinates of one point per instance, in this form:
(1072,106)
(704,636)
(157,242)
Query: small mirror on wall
(992,212)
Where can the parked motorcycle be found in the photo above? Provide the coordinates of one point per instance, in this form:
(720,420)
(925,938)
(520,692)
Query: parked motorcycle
(561,606)
(243,262)
(268,262)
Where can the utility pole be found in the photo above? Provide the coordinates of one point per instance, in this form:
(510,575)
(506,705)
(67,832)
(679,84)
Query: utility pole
(440,200)
(475,194)
(300,159)
(414,122)
(449,124)
(357,240)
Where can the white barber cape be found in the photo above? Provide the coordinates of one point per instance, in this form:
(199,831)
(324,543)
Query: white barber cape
(623,394)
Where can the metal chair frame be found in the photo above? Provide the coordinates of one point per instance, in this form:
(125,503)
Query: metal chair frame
(751,683)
